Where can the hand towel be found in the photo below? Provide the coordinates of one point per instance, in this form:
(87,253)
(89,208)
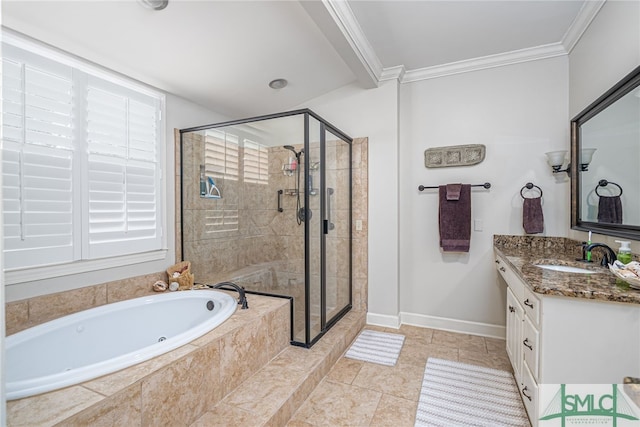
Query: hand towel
(610,209)
(454,217)
(532,217)
(453,191)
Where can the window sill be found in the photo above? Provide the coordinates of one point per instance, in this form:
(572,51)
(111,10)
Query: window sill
(13,277)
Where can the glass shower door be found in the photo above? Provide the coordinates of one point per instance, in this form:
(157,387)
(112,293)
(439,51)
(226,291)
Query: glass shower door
(337,226)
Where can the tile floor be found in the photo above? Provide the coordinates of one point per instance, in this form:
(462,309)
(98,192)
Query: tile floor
(357,393)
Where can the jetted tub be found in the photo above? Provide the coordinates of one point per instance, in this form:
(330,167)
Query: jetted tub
(95,342)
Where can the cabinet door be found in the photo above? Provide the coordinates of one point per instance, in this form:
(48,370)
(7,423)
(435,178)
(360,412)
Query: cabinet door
(515,316)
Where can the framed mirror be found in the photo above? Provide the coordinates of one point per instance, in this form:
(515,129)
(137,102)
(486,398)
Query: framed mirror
(605,192)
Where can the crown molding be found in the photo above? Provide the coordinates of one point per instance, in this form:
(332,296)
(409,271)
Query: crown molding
(348,25)
(588,12)
(346,21)
(481,63)
(393,73)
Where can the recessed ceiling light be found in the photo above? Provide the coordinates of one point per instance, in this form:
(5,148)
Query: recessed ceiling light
(154,4)
(278,83)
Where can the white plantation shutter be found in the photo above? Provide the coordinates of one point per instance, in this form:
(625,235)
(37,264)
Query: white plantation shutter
(221,154)
(81,162)
(123,171)
(255,162)
(38,160)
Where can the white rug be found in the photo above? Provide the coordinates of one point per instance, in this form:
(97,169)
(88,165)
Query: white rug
(458,394)
(376,347)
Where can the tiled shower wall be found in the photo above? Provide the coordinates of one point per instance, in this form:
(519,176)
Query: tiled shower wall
(268,246)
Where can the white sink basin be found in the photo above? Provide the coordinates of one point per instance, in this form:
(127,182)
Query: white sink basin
(566,269)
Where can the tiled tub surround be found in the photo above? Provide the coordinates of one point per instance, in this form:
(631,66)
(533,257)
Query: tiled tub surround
(24,314)
(522,252)
(175,388)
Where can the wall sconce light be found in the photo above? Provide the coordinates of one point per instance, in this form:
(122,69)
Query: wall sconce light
(557,158)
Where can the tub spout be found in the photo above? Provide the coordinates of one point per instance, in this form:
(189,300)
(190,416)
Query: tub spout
(242,300)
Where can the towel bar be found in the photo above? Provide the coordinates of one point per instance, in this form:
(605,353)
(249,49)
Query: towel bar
(486,185)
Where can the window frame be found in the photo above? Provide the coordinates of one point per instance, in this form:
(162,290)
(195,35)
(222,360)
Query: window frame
(28,274)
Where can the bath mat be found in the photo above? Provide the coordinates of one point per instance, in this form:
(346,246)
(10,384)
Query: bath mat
(376,347)
(459,394)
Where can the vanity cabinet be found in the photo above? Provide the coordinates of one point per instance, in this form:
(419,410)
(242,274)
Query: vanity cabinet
(553,339)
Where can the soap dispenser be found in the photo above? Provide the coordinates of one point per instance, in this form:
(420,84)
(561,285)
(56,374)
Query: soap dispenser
(624,253)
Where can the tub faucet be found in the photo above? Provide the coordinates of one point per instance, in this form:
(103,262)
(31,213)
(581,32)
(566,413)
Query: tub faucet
(242,300)
(609,255)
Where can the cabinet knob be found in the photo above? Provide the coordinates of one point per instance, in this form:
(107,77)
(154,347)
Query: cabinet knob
(528,303)
(524,393)
(526,344)
(511,309)
(497,261)
(502,269)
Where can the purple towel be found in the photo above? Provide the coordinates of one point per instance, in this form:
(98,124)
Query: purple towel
(532,218)
(610,209)
(454,217)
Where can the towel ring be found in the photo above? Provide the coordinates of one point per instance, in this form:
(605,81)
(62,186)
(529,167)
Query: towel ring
(604,183)
(529,186)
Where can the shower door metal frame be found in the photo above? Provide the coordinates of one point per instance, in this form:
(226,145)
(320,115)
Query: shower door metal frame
(324,126)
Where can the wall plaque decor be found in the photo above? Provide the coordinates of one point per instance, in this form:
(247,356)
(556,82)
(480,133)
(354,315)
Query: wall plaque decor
(454,155)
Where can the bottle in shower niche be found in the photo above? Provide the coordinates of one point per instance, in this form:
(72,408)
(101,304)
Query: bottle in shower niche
(203,182)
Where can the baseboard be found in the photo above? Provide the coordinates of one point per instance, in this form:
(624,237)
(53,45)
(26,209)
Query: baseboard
(453,325)
(384,320)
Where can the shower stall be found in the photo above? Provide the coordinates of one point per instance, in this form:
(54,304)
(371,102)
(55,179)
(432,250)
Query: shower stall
(266,203)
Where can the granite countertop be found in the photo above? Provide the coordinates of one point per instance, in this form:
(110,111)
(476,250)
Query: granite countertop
(523,252)
(632,388)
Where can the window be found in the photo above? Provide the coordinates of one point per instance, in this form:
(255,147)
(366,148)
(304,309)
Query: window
(81,161)
(221,154)
(255,162)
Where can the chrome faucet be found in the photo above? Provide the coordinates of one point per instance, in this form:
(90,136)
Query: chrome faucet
(242,300)
(609,255)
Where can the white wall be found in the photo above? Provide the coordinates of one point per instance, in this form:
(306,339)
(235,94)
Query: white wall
(180,114)
(607,51)
(373,113)
(518,112)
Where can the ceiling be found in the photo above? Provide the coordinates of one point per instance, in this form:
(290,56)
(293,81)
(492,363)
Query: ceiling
(222,54)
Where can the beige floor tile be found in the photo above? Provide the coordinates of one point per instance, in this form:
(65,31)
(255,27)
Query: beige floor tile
(298,423)
(345,370)
(50,408)
(414,332)
(496,345)
(402,381)
(460,341)
(416,353)
(229,416)
(267,390)
(338,404)
(298,358)
(495,361)
(394,411)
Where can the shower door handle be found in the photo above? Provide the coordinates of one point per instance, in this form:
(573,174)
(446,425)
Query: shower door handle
(328,224)
(280,201)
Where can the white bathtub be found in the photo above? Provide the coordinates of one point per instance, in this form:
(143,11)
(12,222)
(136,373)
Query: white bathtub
(95,342)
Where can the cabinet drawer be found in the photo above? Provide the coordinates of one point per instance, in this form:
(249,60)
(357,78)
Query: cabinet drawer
(531,305)
(530,340)
(529,394)
(513,281)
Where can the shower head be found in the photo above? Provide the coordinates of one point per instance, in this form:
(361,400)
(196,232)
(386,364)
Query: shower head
(297,153)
